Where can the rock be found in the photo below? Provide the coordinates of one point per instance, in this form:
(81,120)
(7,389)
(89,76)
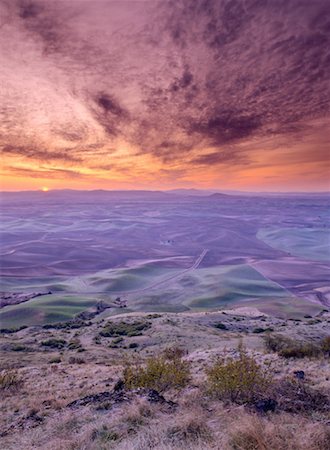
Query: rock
(266,405)
(106,400)
(299,374)
(119,386)
(113,397)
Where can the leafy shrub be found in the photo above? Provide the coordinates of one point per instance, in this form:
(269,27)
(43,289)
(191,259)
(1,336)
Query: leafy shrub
(54,343)
(9,379)
(124,329)
(240,380)
(158,373)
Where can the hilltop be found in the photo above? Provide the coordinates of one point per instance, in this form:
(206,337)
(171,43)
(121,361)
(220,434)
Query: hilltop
(81,384)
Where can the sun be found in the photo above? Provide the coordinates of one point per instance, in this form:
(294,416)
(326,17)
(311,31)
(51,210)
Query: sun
(45,189)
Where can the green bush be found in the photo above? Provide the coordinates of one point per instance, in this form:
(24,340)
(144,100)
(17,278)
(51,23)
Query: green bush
(158,373)
(54,343)
(240,380)
(19,348)
(113,329)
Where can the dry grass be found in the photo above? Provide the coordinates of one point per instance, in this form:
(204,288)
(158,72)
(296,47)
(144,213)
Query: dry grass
(198,422)
(278,433)
(9,380)
(290,348)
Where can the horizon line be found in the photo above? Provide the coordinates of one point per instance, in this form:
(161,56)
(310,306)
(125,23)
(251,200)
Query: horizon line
(210,190)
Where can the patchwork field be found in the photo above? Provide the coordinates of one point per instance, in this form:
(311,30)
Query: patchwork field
(162,252)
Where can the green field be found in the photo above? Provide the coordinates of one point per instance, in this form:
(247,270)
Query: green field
(198,290)
(211,288)
(45,309)
(309,243)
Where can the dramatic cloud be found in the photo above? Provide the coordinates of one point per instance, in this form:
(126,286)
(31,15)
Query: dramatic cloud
(164,90)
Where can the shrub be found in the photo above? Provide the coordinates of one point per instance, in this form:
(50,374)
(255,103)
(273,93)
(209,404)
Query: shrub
(300,351)
(12,330)
(275,342)
(55,360)
(289,348)
(133,345)
(258,330)
(158,373)
(325,345)
(124,329)
(74,344)
(239,380)
(173,353)
(9,379)
(220,326)
(261,330)
(19,348)
(54,343)
(76,360)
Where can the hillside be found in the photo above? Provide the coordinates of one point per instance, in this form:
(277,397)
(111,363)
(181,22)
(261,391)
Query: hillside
(62,385)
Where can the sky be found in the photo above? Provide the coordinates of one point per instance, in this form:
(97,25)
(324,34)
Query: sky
(221,94)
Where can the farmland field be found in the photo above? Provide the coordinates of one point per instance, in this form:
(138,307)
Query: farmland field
(162,252)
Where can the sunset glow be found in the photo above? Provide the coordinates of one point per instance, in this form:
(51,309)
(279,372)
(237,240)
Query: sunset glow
(204,94)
